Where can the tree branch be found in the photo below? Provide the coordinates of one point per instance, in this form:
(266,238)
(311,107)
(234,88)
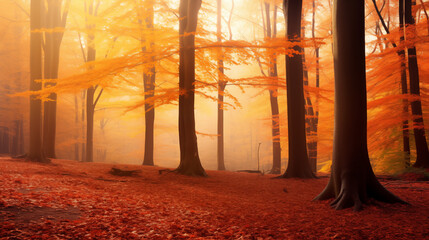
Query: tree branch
(98,97)
(229,20)
(382,21)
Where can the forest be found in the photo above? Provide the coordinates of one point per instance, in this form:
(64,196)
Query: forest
(214,119)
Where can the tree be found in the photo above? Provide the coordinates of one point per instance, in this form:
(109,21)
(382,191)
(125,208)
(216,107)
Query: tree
(221,88)
(149,89)
(190,163)
(404,89)
(298,164)
(312,145)
(311,118)
(36,152)
(90,92)
(422,160)
(53,20)
(404,84)
(272,73)
(352,180)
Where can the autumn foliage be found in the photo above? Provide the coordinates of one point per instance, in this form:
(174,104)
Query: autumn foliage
(70,200)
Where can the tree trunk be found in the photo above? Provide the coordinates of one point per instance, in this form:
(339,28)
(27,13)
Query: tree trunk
(404,90)
(90,105)
(76,145)
(149,119)
(422,160)
(90,124)
(149,88)
(298,164)
(83,126)
(310,116)
(272,72)
(312,146)
(15,139)
(89,149)
(36,152)
(220,94)
(52,20)
(352,180)
(220,129)
(4,140)
(21,137)
(189,160)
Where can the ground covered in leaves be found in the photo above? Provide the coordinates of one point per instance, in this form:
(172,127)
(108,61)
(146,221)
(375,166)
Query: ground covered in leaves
(73,200)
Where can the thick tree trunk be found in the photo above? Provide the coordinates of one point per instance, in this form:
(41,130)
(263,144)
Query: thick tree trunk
(298,164)
(36,152)
(352,180)
(220,94)
(422,160)
(189,160)
(49,126)
(149,88)
(52,20)
(404,90)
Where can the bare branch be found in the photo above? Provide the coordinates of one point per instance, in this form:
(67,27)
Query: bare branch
(229,20)
(382,21)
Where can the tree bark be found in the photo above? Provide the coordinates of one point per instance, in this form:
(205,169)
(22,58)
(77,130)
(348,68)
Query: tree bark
(220,127)
(422,160)
(36,152)
(76,145)
(4,140)
(352,180)
(298,164)
(313,145)
(53,40)
(21,137)
(90,105)
(15,139)
(220,94)
(310,117)
(149,88)
(89,149)
(404,90)
(272,73)
(83,153)
(189,160)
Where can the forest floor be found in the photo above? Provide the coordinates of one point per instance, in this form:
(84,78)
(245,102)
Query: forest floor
(74,200)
